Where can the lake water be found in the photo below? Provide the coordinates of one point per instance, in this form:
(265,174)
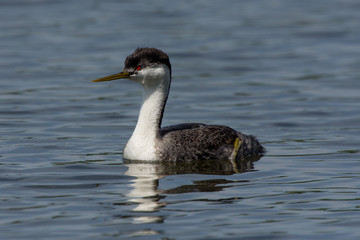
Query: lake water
(285,71)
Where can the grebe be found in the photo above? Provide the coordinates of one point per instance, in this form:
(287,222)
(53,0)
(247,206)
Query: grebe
(188,141)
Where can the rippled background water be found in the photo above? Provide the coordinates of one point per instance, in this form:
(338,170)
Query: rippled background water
(285,71)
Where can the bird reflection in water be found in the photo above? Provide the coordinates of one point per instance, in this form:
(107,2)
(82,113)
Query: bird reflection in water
(148,198)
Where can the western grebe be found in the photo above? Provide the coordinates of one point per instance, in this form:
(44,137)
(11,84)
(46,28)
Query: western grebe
(188,141)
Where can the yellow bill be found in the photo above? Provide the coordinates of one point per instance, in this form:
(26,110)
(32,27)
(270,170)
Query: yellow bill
(113,77)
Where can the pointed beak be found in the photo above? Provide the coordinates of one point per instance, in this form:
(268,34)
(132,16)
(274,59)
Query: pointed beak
(113,77)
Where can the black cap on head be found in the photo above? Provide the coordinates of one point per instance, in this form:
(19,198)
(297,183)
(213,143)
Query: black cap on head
(146,56)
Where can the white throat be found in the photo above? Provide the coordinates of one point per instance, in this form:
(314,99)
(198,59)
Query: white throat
(156,83)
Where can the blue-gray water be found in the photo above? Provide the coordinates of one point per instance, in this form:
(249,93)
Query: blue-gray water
(285,71)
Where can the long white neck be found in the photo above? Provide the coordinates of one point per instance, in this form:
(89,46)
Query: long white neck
(142,144)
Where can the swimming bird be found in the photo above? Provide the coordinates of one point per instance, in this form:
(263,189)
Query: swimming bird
(188,141)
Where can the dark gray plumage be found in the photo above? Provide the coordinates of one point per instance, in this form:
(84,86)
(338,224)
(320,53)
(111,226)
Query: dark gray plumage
(192,141)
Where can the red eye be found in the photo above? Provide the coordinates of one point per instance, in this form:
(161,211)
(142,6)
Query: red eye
(138,68)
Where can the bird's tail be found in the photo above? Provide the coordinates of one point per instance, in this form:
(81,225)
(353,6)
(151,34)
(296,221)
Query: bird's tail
(250,146)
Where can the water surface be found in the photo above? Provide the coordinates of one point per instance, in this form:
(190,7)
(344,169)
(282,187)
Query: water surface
(284,71)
